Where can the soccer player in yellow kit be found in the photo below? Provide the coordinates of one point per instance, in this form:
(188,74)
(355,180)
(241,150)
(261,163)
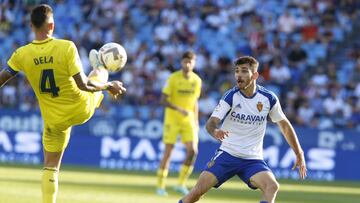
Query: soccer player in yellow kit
(66,96)
(180,96)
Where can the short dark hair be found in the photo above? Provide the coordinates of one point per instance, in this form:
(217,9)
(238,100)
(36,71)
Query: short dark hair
(254,64)
(40,14)
(188,55)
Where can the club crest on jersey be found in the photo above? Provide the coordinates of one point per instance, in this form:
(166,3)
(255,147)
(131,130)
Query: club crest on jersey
(259,106)
(210,163)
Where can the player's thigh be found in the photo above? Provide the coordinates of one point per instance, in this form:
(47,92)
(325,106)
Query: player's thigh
(189,133)
(205,182)
(263,179)
(86,111)
(56,136)
(250,167)
(170,133)
(223,166)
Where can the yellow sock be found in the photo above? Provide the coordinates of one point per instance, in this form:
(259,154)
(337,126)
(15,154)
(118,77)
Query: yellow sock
(49,185)
(184,174)
(162,175)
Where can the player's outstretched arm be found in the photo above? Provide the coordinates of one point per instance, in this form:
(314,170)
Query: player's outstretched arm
(115,87)
(212,128)
(5,76)
(290,136)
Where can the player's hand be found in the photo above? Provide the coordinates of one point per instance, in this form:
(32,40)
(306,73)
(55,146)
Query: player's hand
(220,134)
(300,162)
(116,88)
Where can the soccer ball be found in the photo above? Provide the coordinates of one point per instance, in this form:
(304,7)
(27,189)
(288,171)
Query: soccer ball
(113,56)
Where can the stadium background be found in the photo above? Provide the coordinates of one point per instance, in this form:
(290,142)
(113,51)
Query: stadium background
(309,55)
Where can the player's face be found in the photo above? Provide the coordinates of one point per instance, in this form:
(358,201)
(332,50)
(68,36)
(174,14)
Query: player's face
(244,76)
(188,64)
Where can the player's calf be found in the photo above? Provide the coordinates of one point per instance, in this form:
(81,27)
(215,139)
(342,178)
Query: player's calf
(49,185)
(193,196)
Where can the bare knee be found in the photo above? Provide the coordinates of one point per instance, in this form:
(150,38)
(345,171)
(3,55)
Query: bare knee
(190,156)
(192,153)
(52,159)
(100,74)
(272,187)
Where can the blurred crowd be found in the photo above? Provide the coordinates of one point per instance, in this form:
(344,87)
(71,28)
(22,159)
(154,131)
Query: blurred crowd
(308,51)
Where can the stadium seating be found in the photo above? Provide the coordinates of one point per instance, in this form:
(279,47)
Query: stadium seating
(216,30)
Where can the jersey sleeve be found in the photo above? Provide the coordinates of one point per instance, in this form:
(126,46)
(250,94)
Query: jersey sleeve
(74,62)
(14,63)
(276,114)
(228,97)
(221,110)
(167,87)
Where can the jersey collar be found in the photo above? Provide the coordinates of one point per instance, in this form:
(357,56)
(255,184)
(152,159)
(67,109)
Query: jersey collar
(252,96)
(42,41)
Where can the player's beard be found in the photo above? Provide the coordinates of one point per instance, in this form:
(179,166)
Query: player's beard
(244,84)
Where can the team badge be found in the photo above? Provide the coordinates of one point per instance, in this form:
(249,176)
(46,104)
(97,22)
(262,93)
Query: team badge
(259,106)
(210,163)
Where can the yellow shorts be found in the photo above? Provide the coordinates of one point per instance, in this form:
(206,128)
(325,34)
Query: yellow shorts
(56,136)
(187,132)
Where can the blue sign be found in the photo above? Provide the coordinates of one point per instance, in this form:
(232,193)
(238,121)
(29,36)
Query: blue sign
(135,144)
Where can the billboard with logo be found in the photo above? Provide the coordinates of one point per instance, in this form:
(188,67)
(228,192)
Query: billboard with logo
(135,144)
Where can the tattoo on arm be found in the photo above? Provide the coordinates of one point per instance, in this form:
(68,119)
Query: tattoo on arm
(212,124)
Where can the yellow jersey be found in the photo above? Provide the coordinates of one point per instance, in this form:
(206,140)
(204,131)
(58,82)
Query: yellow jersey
(49,66)
(184,93)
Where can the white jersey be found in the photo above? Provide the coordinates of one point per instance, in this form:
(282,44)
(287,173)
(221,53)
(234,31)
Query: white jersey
(245,119)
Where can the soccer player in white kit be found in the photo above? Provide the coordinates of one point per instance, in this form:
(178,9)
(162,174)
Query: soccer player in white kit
(243,111)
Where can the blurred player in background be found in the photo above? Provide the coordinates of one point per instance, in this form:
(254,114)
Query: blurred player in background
(244,110)
(180,98)
(66,96)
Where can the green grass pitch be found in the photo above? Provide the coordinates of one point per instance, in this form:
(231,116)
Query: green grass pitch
(19,184)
